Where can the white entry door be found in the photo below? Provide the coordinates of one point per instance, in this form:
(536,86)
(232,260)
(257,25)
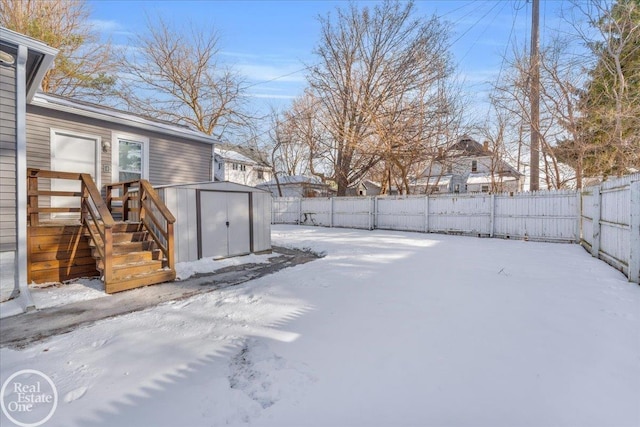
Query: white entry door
(71,152)
(224,224)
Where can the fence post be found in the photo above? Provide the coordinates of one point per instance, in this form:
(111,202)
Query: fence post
(492,219)
(299,210)
(372,213)
(426,213)
(579,217)
(634,236)
(331,212)
(595,242)
(375,210)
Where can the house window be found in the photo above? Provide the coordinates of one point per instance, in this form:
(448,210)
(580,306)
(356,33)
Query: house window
(456,188)
(129,160)
(243,168)
(260,174)
(235,166)
(219,165)
(485,188)
(449,169)
(474,166)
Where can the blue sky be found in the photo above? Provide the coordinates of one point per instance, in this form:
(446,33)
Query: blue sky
(270,42)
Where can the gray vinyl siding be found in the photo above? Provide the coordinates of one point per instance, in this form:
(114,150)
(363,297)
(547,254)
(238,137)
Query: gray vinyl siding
(8,144)
(178,162)
(171,161)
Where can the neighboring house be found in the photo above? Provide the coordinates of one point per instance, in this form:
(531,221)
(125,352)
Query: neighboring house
(241,165)
(468,167)
(298,186)
(365,187)
(54,133)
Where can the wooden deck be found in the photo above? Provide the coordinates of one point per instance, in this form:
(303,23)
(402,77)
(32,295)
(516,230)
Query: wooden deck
(125,254)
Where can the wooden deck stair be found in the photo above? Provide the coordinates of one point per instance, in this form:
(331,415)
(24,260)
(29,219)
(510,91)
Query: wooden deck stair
(134,252)
(135,260)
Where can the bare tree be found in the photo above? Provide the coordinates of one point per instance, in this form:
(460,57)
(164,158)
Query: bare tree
(176,76)
(84,65)
(370,61)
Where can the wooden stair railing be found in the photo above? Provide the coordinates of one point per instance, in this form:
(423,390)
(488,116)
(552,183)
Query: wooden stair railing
(137,251)
(140,202)
(92,209)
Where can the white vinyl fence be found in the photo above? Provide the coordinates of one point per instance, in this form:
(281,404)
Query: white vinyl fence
(610,223)
(550,216)
(546,216)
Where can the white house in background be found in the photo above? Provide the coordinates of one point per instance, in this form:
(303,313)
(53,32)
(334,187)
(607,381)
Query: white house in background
(297,186)
(241,165)
(468,167)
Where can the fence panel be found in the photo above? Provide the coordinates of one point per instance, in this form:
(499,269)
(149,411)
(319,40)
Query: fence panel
(615,214)
(400,213)
(316,211)
(460,214)
(353,212)
(285,210)
(587,198)
(545,216)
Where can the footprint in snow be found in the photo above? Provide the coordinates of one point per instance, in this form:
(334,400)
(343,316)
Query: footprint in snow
(75,394)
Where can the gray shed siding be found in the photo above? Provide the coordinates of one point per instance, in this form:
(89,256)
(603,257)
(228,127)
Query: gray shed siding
(8,149)
(181,201)
(170,161)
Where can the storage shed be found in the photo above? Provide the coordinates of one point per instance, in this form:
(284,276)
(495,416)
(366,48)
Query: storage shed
(218,219)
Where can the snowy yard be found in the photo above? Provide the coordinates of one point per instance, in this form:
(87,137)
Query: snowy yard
(388,329)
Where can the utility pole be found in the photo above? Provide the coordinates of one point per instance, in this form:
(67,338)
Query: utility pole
(534,171)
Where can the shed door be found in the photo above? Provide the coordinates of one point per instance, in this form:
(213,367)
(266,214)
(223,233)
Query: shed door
(224,224)
(72,152)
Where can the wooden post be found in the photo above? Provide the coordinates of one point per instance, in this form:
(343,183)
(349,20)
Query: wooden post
(32,205)
(108,257)
(595,242)
(83,203)
(141,196)
(634,233)
(300,211)
(171,261)
(125,201)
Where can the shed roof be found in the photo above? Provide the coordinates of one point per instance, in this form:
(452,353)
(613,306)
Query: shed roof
(216,185)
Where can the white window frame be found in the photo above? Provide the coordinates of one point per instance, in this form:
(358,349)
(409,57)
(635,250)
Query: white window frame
(115,153)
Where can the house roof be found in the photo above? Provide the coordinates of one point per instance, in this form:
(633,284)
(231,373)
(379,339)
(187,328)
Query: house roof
(434,180)
(39,59)
(294,179)
(241,154)
(112,115)
(468,147)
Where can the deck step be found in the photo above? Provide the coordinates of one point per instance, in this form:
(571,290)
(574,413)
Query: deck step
(132,257)
(160,276)
(123,271)
(120,227)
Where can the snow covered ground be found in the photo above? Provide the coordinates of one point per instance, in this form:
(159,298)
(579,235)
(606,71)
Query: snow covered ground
(388,329)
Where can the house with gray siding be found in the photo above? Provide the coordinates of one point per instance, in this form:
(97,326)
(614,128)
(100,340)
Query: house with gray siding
(23,63)
(49,132)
